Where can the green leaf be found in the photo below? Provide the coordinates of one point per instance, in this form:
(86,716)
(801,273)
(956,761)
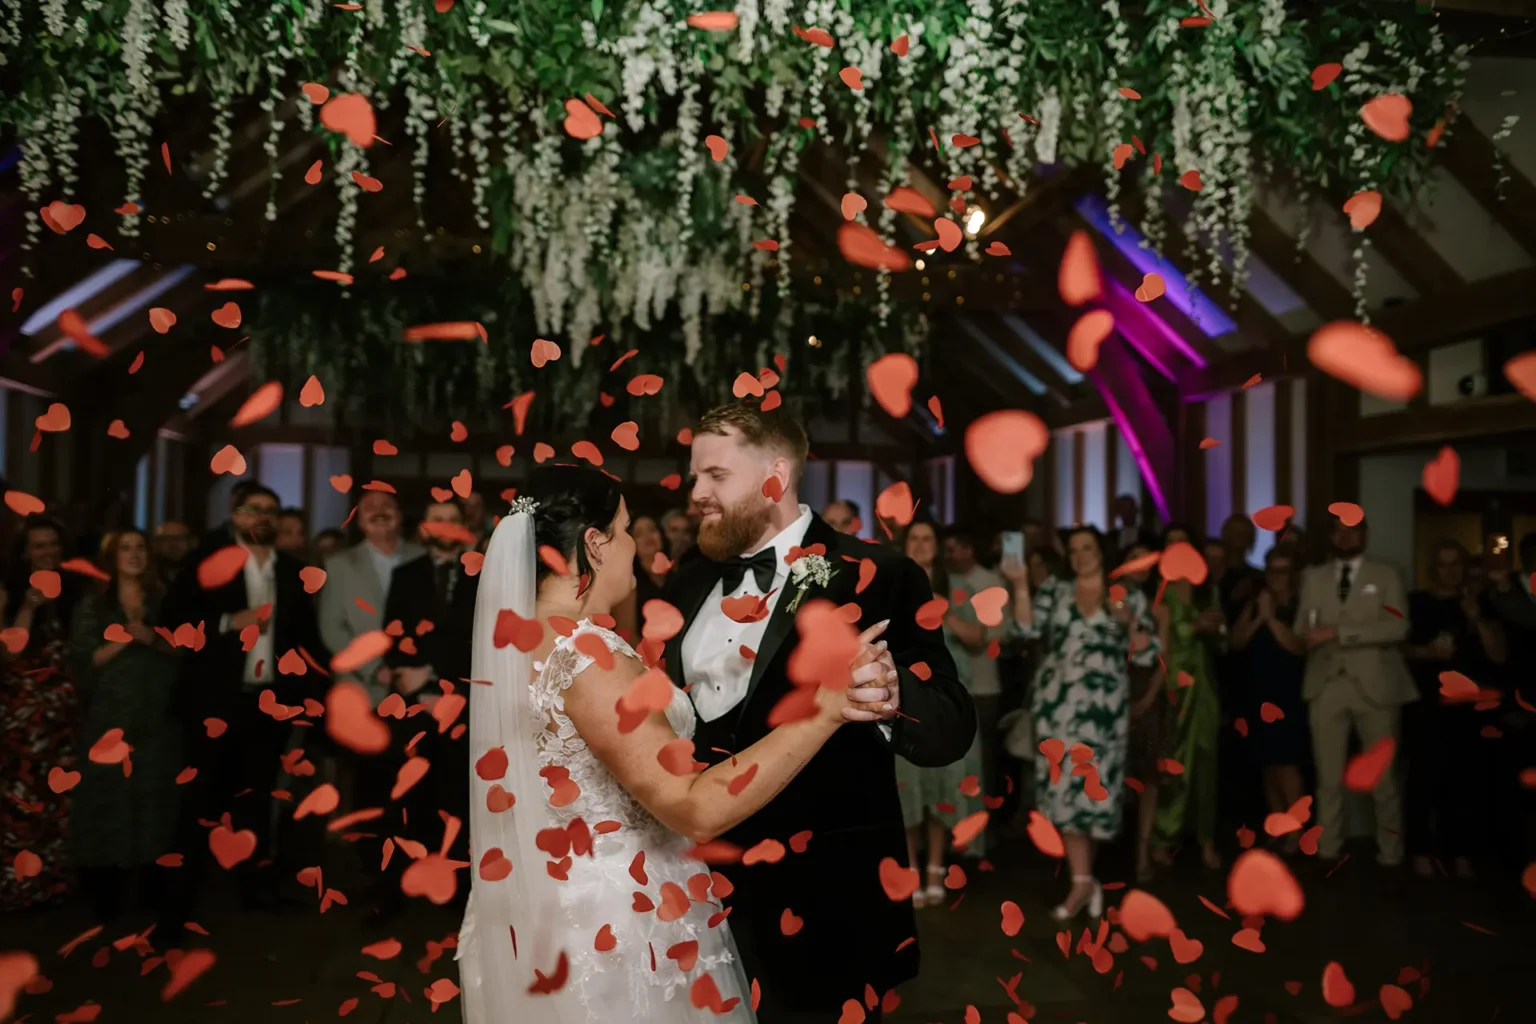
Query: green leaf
(597,10)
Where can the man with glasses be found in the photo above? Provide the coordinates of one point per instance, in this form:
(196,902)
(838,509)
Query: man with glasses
(247,625)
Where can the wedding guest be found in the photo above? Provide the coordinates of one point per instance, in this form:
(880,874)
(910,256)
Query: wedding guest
(433,599)
(38,710)
(1273,665)
(984,683)
(248,624)
(477,519)
(1081,696)
(1192,630)
(1352,618)
(172,542)
(932,800)
(293,534)
(680,531)
(122,821)
(1239,582)
(843,516)
(329,542)
(1148,745)
(357,584)
(1454,629)
(1129,530)
(648,545)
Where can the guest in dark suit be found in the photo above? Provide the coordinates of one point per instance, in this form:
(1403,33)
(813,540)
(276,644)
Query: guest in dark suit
(432,598)
(737,672)
(248,624)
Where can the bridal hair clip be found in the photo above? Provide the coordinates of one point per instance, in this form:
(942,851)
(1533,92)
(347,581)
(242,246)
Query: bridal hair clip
(527,505)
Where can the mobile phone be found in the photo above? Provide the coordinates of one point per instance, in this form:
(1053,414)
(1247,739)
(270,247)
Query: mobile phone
(1013,546)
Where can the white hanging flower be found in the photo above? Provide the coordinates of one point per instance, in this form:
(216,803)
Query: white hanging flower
(178,26)
(55,16)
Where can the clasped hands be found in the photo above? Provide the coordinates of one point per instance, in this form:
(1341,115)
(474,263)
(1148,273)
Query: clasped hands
(875,693)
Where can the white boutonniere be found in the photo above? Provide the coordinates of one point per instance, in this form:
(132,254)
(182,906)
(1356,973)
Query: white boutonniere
(807,570)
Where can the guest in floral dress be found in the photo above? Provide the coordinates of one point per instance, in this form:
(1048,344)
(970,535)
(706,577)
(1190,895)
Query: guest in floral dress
(123,822)
(1191,631)
(1087,636)
(933,800)
(37,702)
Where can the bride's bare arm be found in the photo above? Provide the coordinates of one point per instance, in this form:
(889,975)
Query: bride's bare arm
(698,805)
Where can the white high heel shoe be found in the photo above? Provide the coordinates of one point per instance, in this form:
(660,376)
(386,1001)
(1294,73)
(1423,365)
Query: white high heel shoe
(1094,903)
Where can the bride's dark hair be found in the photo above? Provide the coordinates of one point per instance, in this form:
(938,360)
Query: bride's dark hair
(572,500)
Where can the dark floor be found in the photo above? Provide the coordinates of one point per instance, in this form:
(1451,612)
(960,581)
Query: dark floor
(1475,943)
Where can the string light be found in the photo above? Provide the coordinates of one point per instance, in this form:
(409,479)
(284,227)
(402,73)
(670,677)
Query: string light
(975,217)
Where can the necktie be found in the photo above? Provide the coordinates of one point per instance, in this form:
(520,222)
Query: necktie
(762,566)
(1344,582)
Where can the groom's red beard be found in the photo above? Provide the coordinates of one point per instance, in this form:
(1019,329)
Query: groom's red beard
(739,527)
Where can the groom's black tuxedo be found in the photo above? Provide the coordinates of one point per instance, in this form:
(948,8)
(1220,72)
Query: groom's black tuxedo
(845,797)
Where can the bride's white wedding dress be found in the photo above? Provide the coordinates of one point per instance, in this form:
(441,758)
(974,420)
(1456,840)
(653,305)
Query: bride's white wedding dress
(596,880)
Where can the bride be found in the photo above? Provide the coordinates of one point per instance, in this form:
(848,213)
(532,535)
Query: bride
(584,904)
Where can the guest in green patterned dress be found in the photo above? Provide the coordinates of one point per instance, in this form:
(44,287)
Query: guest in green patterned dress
(122,822)
(933,800)
(1191,629)
(1087,632)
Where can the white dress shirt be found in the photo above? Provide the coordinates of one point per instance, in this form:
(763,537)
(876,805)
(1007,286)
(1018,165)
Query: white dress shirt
(713,668)
(384,565)
(260,589)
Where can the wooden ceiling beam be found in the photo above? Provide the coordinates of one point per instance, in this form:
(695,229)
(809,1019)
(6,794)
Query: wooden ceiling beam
(1307,278)
(1476,307)
(1057,390)
(1410,253)
(1479,165)
(1256,324)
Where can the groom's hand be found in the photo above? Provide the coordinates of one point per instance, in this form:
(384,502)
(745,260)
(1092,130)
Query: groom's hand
(874,695)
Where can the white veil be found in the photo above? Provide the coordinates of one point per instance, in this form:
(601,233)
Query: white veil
(495,979)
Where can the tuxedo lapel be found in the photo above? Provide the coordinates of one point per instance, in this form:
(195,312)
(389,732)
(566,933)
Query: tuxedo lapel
(690,602)
(782,622)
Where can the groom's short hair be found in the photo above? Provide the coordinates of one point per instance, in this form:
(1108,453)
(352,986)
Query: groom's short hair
(775,430)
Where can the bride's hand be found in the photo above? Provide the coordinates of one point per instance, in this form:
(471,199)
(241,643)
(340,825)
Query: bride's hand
(830,705)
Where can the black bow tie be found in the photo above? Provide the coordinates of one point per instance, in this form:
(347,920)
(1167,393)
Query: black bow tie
(763,565)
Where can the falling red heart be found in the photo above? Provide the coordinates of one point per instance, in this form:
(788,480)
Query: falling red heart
(1387,116)
(1442,475)
(891,379)
(352,115)
(1078,278)
(1324,74)
(1085,337)
(1364,358)
(1363,208)
(581,122)
(1002,447)
(1338,991)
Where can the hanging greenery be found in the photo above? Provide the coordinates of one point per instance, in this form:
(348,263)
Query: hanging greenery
(694,122)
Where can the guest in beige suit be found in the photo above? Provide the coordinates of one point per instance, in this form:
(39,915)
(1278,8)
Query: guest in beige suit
(1352,616)
(357,583)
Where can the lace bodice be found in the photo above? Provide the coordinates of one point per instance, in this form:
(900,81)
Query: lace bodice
(602,798)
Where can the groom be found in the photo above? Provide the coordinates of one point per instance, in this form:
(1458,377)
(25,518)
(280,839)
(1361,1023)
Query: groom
(841,815)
